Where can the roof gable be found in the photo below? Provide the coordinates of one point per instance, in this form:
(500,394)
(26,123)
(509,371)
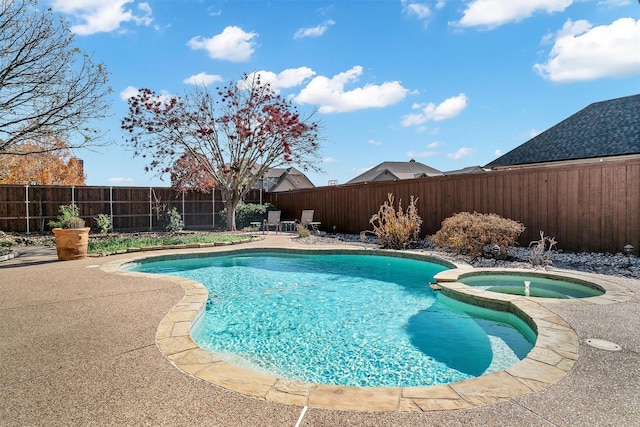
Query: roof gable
(386,171)
(286,179)
(602,129)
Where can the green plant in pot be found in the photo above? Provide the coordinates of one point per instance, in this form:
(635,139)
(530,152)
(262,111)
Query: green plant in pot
(72,237)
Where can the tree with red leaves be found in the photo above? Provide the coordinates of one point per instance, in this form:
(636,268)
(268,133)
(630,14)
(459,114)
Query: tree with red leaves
(226,142)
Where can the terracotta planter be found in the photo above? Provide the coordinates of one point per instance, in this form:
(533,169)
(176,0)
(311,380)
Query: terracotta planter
(71,243)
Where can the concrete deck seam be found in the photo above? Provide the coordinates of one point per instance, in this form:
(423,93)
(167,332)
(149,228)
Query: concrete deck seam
(535,414)
(301,417)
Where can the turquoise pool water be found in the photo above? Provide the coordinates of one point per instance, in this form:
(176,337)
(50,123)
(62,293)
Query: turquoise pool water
(541,287)
(351,320)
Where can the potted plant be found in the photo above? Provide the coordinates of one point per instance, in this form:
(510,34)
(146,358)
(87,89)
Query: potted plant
(72,237)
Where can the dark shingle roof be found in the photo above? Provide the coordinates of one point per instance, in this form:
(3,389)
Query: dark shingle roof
(387,171)
(607,128)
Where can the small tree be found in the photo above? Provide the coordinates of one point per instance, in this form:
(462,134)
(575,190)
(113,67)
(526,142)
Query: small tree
(226,142)
(48,87)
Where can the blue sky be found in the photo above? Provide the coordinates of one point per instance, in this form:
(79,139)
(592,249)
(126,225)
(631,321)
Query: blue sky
(448,83)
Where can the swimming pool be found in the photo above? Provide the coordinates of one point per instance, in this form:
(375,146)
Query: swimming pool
(345,319)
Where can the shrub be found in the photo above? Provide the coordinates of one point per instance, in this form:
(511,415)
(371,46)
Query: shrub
(67,212)
(72,222)
(104,223)
(539,257)
(468,233)
(172,220)
(303,231)
(397,229)
(246,213)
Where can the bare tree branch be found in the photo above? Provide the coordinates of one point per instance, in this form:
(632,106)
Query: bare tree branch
(47,86)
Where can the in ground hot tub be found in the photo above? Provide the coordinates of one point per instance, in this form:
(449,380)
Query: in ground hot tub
(532,285)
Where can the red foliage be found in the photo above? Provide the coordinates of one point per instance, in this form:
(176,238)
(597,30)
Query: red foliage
(226,143)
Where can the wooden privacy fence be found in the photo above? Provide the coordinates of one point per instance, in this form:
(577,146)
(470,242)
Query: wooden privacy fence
(30,208)
(587,207)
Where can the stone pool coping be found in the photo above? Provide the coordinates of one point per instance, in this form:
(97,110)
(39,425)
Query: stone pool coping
(554,353)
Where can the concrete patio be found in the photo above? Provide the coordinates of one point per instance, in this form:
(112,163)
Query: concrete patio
(78,347)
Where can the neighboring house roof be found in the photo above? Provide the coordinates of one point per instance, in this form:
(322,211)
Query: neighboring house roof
(602,129)
(391,171)
(277,180)
(468,169)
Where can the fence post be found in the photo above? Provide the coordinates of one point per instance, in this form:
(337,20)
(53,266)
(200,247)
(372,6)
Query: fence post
(150,209)
(183,223)
(26,202)
(111,206)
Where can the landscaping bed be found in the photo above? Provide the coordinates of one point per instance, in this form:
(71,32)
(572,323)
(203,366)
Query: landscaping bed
(105,244)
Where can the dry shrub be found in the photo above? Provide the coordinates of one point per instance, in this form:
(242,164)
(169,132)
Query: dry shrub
(397,229)
(539,257)
(468,233)
(302,231)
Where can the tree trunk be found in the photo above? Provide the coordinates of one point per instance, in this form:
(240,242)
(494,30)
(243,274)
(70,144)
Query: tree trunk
(231,204)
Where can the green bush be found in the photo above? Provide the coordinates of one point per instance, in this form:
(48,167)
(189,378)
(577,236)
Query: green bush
(397,229)
(246,213)
(172,220)
(104,223)
(69,217)
(468,233)
(73,222)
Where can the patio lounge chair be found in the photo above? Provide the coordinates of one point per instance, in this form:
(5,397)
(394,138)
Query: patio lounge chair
(273,220)
(307,220)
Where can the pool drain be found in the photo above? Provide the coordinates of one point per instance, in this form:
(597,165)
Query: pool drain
(603,345)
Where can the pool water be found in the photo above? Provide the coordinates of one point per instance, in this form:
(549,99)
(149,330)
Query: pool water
(342,319)
(541,287)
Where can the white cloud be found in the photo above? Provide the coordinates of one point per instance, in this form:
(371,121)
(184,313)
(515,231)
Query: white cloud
(374,142)
(314,31)
(121,180)
(449,108)
(493,13)
(288,78)
(413,154)
(202,79)
(331,96)
(233,44)
(532,133)
(614,3)
(131,91)
(582,52)
(128,92)
(103,15)
(461,153)
(419,10)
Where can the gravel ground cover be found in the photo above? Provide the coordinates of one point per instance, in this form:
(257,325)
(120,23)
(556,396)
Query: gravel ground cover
(601,263)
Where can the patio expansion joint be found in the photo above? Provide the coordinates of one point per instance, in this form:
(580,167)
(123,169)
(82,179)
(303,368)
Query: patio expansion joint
(535,414)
